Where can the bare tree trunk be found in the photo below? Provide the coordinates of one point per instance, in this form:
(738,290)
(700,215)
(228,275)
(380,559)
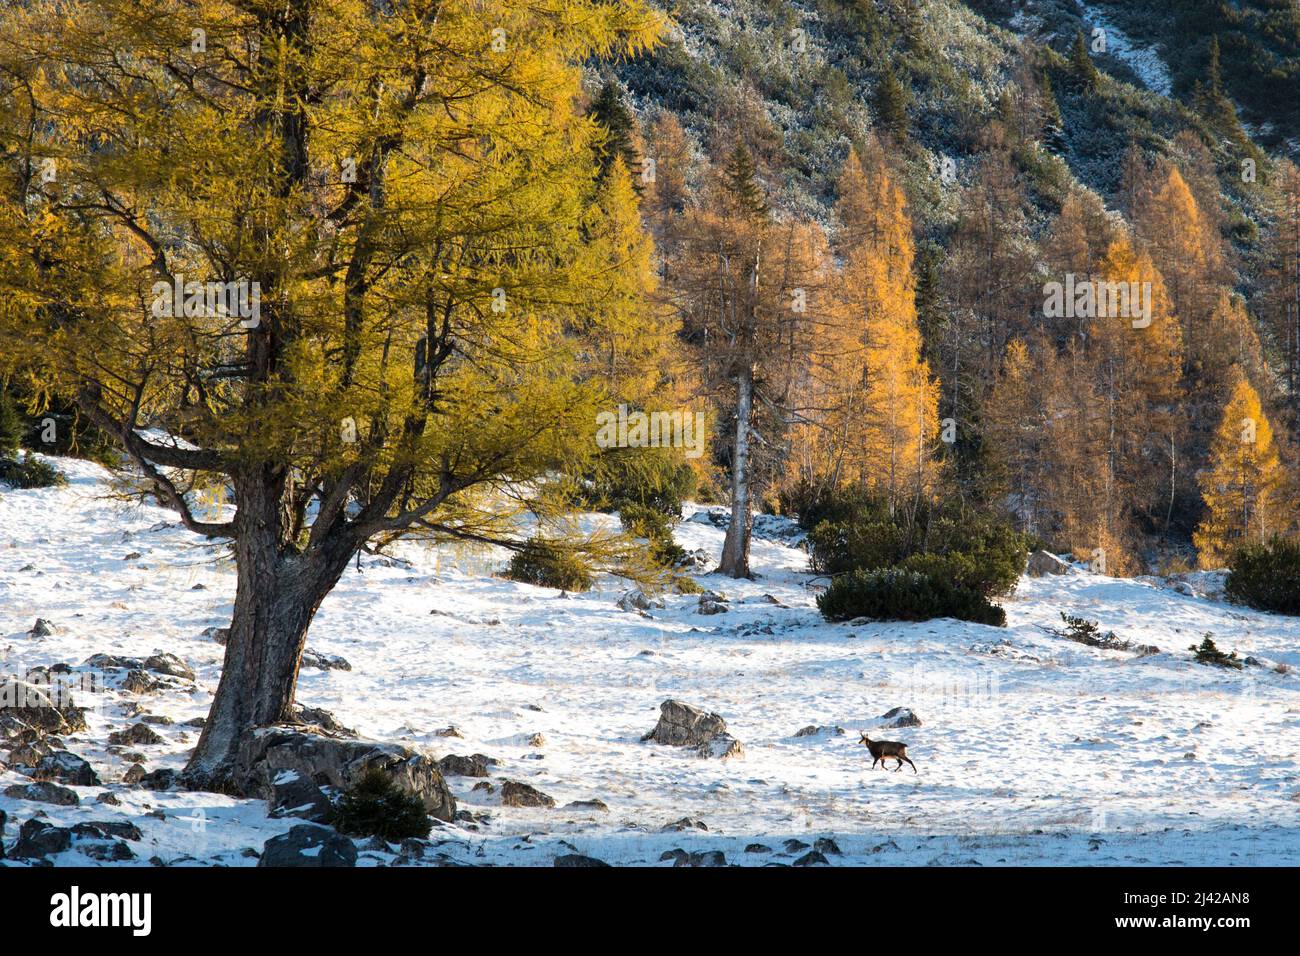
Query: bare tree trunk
(277,594)
(735,548)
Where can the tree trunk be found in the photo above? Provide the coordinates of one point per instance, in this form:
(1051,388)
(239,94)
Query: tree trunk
(735,547)
(277,594)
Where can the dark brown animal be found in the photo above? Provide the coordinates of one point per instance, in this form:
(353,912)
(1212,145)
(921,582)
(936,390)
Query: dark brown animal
(880,749)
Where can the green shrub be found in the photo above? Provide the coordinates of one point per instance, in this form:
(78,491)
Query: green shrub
(1266,576)
(11,425)
(897,594)
(657,528)
(29,472)
(1208,653)
(373,806)
(971,550)
(657,479)
(549,565)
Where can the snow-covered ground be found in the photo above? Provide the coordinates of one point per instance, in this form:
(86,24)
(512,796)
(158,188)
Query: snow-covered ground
(1144,61)
(1033,749)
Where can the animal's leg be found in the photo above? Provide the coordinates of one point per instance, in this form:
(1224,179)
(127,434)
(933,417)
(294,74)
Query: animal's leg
(900,766)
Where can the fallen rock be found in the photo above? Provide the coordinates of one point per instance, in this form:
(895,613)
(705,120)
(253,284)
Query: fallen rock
(899,717)
(63,766)
(587,805)
(812,730)
(702,858)
(169,664)
(292,796)
(516,794)
(43,628)
(794,846)
(48,709)
(112,851)
(758,848)
(449,731)
(324,662)
(108,829)
(138,682)
(38,839)
(577,860)
(681,725)
(638,600)
(321,718)
(1042,563)
(309,845)
(827,845)
(134,774)
(43,792)
(711,607)
(136,735)
(812,858)
(339,762)
(475,765)
(685,823)
(219,634)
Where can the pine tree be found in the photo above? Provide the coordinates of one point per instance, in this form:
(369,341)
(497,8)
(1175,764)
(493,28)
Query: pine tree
(1086,77)
(745,194)
(892,100)
(621,140)
(1242,482)
(1053,125)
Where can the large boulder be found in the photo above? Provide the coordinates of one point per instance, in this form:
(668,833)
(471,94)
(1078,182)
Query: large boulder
(38,839)
(516,794)
(43,792)
(49,709)
(62,766)
(309,845)
(1042,563)
(681,725)
(475,765)
(293,796)
(337,762)
(899,717)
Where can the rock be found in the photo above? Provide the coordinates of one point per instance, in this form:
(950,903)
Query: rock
(827,845)
(43,628)
(108,829)
(697,559)
(577,859)
(309,845)
(324,662)
(48,709)
(196,722)
(114,851)
(515,794)
(716,596)
(133,556)
(138,682)
(1041,563)
(161,720)
(587,805)
(794,846)
(711,607)
(339,763)
(134,774)
(758,848)
(535,740)
(110,798)
(899,717)
(676,853)
(455,765)
(638,600)
(685,823)
(219,634)
(113,661)
(135,735)
(165,778)
(449,732)
(812,730)
(169,664)
(681,725)
(703,858)
(322,718)
(483,786)
(812,858)
(43,792)
(292,796)
(37,839)
(63,766)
